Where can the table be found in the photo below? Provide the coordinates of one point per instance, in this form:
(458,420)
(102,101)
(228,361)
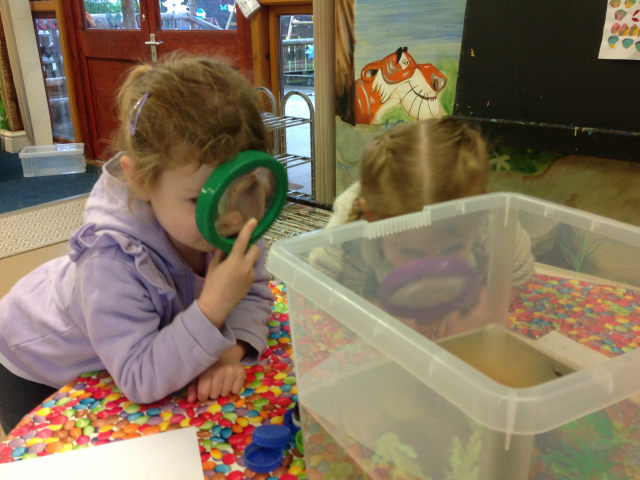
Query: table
(91,410)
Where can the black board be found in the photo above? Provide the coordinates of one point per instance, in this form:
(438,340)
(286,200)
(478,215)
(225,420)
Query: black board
(530,77)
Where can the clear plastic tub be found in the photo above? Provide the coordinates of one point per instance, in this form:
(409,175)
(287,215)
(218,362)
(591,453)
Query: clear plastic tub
(538,384)
(58,159)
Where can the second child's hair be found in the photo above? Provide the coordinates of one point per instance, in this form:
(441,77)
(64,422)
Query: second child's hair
(418,164)
(198,109)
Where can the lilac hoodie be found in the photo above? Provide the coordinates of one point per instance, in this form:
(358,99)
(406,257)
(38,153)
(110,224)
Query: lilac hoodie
(122,300)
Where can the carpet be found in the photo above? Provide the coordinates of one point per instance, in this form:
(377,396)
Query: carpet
(40,227)
(17,192)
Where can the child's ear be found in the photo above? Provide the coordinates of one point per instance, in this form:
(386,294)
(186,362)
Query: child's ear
(363,207)
(128,167)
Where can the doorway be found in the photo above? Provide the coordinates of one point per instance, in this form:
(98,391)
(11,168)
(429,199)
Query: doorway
(293,45)
(56,83)
(111,37)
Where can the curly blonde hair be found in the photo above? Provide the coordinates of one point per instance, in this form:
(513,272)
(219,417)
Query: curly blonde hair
(418,164)
(198,109)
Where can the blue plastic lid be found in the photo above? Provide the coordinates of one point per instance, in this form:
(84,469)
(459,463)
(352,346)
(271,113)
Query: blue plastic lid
(272,436)
(289,422)
(261,459)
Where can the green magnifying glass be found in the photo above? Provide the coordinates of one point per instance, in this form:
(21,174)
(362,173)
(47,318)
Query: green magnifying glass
(252,185)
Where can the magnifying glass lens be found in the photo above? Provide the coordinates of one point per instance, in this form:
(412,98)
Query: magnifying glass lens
(429,292)
(249,196)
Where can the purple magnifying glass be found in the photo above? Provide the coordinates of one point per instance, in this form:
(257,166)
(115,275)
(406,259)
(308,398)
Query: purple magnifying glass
(428,288)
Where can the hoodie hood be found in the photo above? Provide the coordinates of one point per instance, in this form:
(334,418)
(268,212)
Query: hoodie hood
(114,216)
(123,300)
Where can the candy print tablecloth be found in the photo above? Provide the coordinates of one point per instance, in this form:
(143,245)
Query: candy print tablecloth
(603,318)
(91,410)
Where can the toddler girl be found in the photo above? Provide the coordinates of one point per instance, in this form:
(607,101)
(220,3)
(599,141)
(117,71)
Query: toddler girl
(402,170)
(142,294)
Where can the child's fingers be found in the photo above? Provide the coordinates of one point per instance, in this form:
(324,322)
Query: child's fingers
(192,391)
(217,258)
(216,386)
(409,322)
(242,242)
(238,384)
(204,387)
(253,254)
(227,385)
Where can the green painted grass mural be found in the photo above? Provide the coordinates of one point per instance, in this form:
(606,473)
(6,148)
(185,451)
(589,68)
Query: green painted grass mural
(3,115)
(395,57)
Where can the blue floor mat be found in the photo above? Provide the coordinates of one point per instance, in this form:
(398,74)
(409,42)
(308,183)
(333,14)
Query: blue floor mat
(18,192)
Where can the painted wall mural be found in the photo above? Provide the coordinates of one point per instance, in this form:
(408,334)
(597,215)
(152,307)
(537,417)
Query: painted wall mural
(10,110)
(387,49)
(396,63)
(398,81)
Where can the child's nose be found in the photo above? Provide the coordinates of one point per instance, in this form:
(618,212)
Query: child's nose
(232,219)
(229,224)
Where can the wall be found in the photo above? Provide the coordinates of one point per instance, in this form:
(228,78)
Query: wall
(605,187)
(27,70)
(12,119)
(386,59)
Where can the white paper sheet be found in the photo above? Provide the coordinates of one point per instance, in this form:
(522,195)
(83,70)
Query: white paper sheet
(572,352)
(165,456)
(621,32)
(248,7)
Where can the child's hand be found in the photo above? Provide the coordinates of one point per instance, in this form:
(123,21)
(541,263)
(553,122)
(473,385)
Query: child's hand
(228,280)
(225,376)
(433,330)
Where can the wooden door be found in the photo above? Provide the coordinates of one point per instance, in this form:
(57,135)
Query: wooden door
(227,33)
(109,44)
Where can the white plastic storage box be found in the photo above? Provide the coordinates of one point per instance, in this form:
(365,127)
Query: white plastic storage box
(509,384)
(53,159)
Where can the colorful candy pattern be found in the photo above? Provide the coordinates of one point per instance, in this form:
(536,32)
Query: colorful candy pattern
(604,444)
(603,318)
(92,411)
(346,459)
(609,439)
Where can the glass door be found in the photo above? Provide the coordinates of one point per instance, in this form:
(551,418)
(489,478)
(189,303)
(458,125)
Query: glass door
(296,53)
(296,73)
(208,27)
(198,15)
(55,78)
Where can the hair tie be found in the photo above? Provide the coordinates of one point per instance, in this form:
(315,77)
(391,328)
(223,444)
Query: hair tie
(137,108)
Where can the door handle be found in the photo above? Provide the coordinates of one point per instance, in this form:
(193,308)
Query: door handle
(153,43)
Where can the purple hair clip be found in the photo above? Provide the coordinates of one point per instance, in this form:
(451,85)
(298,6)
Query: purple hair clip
(137,108)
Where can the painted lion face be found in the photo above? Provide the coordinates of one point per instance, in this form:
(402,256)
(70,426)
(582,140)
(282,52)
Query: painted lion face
(398,79)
